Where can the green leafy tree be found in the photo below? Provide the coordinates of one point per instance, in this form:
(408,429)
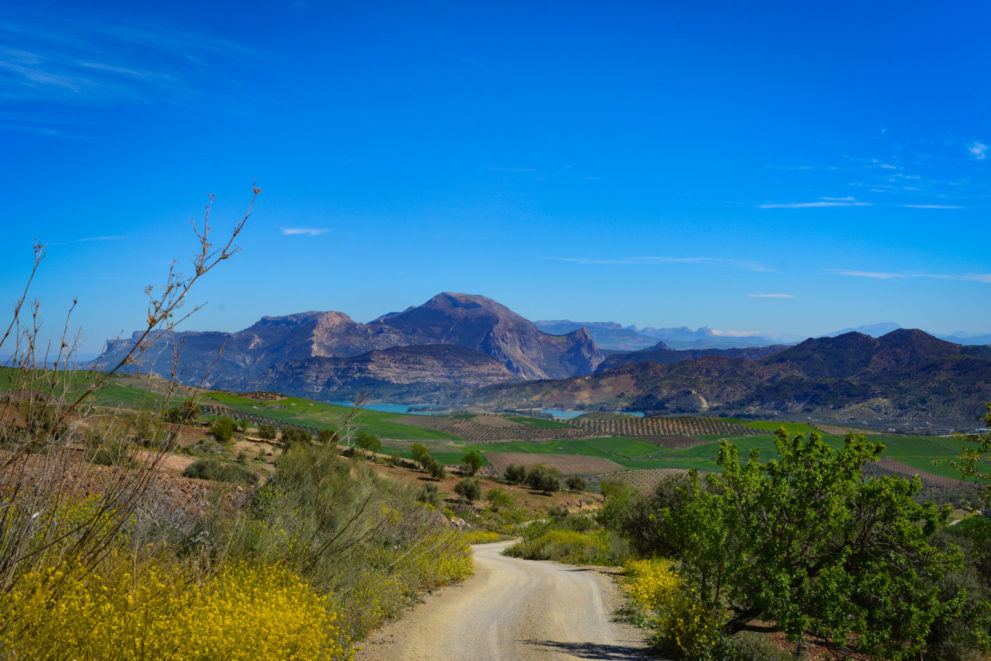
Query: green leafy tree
(515,474)
(268,432)
(806,541)
(294,435)
(469,488)
(542,478)
(499,499)
(976,458)
(434,467)
(419,451)
(575,483)
(367,442)
(473,461)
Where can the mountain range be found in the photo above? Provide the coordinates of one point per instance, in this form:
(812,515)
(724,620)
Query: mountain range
(470,350)
(452,341)
(905,379)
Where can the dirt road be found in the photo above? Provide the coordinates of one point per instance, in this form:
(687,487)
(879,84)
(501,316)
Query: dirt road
(512,610)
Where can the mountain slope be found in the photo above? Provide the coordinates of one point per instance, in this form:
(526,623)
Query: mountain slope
(250,358)
(906,377)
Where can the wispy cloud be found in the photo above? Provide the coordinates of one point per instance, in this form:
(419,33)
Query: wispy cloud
(306,231)
(848,201)
(742,263)
(85,60)
(890,275)
(771,295)
(978,150)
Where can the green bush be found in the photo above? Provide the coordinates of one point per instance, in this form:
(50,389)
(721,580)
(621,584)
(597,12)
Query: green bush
(218,471)
(420,452)
(515,474)
(499,499)
(542,478)
(293,435)
(267,431)
(435,468)
(429,495)
(223,429)
(575,483)
(596,547)
(367,442)
(469,489)
(327,436)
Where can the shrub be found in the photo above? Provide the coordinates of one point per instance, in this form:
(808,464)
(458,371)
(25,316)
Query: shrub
(429,495)
(435,468)
(481,537)
(222,429)
(420,452)
(247,611)
(182,413)
(294,435)
(683,626)
(469,489)
(515,474)
(596,547)
(541,478)
(473,461)
(575,483)
(327,436)
(115,453)
(499,499)
(367,442)
(218,471)
(267,431)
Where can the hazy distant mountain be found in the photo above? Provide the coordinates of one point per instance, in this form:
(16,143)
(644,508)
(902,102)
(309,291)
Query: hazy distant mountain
(704,338)
(662,354)
(615,337)
(907,379)
(257,357)
(971,339)
(607,334)
(874,330)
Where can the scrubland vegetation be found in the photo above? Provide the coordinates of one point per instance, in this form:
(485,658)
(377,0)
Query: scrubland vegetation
(102,557)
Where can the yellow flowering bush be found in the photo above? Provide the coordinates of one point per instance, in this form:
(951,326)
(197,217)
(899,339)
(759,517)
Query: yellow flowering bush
(682,624)
(128,611)
(564,545)
(481,537)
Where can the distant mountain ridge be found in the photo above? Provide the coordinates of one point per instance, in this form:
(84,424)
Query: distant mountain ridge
(907,379)
(274,351)
(615,337)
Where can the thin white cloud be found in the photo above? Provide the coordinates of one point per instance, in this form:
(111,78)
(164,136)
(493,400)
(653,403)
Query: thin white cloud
(747,264)
(307,231)
(978,150)
(882,275)
(771,295)
(848,201)
(932,206)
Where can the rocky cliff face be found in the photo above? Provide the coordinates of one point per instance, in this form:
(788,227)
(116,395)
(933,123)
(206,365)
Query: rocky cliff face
(284,351)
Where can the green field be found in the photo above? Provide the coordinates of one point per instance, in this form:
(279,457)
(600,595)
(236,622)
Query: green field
(927,453)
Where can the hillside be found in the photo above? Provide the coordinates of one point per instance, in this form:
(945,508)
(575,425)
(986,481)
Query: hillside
(906,379)
(662,354)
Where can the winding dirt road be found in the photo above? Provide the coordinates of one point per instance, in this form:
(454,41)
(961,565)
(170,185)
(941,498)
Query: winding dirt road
(512,610)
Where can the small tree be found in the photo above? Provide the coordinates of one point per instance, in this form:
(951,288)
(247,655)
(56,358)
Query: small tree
(807,542)
(575,483)
(515,474)
(473,461)
(542,478)
(367,442)
(469,489)
(223,429)
(268,432)
(429,495)
(435,468)
(183,413)
(419,451)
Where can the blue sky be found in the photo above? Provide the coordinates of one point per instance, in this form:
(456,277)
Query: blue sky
(794,167)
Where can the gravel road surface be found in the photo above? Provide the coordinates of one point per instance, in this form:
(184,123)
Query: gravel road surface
(512,610)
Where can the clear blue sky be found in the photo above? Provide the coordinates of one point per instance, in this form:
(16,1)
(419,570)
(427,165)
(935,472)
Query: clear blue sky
(789,166)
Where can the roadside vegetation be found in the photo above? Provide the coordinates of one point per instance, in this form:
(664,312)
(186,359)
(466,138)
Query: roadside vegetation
(801,543)
(291,551)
